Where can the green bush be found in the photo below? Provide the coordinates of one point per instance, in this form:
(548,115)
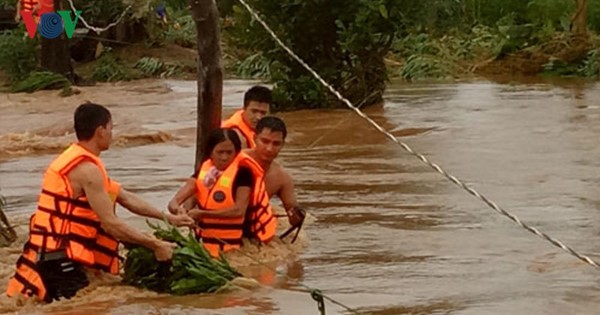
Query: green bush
(7,4)
(427,66)
(182,32)
(594,15)
(344,41)
(590,67)
(541,12)
(149,66)
(254,66)
(100,12)
(109,69)
(17,54)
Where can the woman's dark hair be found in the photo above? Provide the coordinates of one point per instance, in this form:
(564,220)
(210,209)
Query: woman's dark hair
(88,117)
(219,135)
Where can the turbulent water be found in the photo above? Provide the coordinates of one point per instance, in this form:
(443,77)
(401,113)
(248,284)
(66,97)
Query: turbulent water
(389,234)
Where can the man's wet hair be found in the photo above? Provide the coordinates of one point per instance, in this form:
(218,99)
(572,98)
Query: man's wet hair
(88,117)
(258,93)
(272,123)
(220,135)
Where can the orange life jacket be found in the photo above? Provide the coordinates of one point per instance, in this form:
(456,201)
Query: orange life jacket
(236,121)
(260,222)
(62,223)
(219,234)
(38,7)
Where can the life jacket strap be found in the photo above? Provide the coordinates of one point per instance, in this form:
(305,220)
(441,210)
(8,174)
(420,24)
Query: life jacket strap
(28,287)
(223,241)
(220,226)
(75,202)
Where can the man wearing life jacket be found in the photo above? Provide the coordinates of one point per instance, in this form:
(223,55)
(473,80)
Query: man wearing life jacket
(257,101)
(37,8)
(75,225)
(270,139)
(226,185)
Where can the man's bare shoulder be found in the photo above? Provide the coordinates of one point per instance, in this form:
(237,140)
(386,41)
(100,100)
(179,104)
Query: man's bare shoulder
(277,170)
(85,170)
(274,168)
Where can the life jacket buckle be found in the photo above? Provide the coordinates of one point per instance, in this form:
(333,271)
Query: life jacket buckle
(49,256)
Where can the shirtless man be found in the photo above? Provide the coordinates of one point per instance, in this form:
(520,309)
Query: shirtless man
(270,139)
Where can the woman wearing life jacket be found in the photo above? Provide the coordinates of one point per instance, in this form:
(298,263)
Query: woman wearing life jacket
(75,225)
(227,184)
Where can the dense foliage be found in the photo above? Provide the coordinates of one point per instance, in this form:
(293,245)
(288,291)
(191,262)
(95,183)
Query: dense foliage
(344,41)
(347,41)
(354,44)
(18,56)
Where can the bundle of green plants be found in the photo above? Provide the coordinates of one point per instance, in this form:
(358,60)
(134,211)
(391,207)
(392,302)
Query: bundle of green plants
(7,233)
(191,270)
(41,80)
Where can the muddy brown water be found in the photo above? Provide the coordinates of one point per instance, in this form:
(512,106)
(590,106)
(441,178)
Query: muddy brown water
(389,235)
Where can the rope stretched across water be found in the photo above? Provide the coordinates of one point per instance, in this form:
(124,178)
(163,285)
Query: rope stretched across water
(96,29)
(436,167)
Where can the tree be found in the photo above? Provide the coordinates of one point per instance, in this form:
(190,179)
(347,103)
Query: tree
(56,55)
(210,72)
(579,18)
(345,41)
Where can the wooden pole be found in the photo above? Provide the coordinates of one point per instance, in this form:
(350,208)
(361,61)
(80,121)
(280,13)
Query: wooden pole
(210,72)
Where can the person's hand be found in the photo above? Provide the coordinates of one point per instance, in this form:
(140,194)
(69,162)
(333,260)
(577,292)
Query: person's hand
(195,213)
(180,219)
(163,251)
(175,208)
(296,215)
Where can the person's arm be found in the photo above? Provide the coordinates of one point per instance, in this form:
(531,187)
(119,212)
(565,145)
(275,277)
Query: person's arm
(242,199)
(286,193)
(89,178)
(18,11)
(186,191)
(288,199)
(138,206)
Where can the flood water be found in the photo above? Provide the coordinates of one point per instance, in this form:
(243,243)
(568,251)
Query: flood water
(389,235)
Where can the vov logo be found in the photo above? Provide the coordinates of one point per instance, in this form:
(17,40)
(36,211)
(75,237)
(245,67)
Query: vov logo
(51,24)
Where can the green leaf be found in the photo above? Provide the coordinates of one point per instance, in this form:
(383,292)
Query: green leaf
(191,270)
(383,11)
